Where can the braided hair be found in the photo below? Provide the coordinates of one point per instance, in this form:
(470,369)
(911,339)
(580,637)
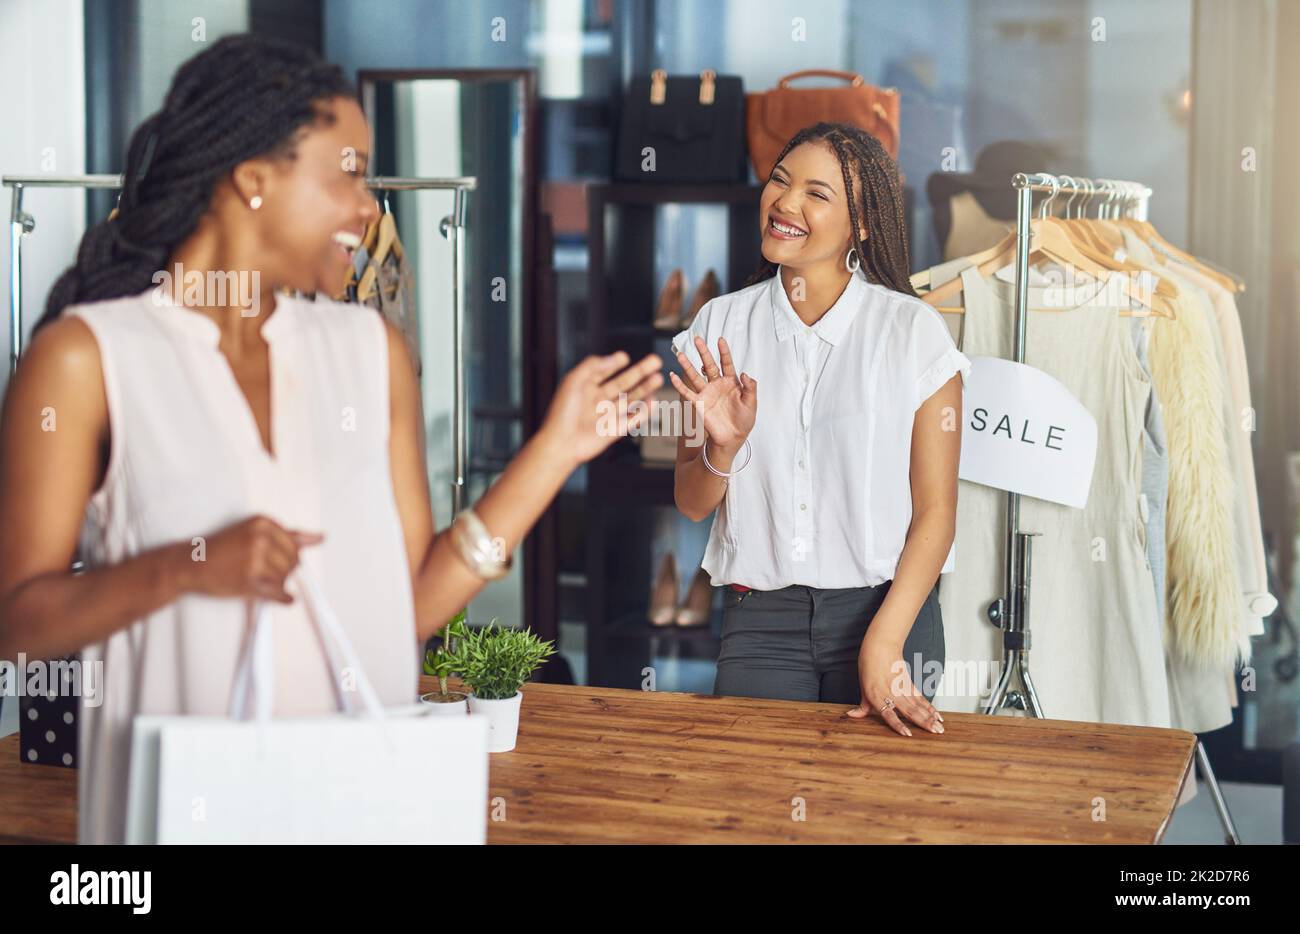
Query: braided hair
(883,253)
(245,96)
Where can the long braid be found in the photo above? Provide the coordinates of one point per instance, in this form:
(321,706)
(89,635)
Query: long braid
(871,184)
(245,96)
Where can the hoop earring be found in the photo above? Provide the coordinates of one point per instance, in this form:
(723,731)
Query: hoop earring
(255,202)
(851,262)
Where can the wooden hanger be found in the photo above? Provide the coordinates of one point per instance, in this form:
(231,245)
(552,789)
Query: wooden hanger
(921,280)
(1147,231)
(1098,238)
(1048,241)
(1105,229)
(372,229)
(1081,229)
(1152,236)
(368,239)
(370,236)
(1053,239)
(386,241)
(1109,260)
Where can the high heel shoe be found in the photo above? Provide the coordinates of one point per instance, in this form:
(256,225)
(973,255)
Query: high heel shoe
(698,606)
(668,310)
(708,289)
(663,594)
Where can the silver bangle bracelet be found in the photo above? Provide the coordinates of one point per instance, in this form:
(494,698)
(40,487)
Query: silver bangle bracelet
(476,547)
(718,473)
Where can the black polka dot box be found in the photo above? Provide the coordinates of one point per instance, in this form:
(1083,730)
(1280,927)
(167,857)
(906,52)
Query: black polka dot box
(47,728)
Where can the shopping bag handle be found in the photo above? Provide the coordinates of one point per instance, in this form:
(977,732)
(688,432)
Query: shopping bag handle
(255,671)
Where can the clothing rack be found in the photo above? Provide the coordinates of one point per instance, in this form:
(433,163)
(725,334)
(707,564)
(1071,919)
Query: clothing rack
(1010,612)
(452,227)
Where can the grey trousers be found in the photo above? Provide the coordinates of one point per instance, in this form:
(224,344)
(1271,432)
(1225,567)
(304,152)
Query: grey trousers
(802,643)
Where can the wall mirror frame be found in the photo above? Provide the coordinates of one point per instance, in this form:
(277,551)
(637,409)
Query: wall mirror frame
(479,122)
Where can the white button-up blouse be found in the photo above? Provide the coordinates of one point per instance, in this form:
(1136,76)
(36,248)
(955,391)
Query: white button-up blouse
(826,499)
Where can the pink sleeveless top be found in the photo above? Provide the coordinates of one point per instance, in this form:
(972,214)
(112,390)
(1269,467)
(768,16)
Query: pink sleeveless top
(186,461)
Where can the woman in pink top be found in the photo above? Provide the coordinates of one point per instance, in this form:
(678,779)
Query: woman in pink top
(199,443)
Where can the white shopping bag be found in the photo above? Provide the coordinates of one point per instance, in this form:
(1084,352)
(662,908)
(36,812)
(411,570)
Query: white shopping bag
(366,775)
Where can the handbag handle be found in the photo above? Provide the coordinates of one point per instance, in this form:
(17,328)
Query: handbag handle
(852,78)
(659,86)
(255,671)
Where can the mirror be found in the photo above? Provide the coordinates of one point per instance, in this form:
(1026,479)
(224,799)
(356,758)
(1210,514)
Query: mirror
(477,122)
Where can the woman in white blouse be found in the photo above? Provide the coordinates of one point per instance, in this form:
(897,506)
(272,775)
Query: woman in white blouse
(838,504)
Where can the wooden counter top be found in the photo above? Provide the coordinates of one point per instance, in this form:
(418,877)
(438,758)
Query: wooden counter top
(596,765)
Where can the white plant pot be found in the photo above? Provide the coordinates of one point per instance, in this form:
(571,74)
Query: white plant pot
(434,708)
(503,720)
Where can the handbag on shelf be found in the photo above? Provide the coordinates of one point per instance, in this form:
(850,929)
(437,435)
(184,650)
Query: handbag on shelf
(369,774)
(682,129)
(773,117)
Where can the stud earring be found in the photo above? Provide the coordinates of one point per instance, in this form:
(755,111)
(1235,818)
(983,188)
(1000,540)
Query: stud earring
(255,202)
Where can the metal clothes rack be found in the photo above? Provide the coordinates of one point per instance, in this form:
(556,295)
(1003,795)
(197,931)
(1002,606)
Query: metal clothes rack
(1010,612)
(452,227)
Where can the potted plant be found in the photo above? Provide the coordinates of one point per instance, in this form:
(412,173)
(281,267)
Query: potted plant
(495,663)
(442,663)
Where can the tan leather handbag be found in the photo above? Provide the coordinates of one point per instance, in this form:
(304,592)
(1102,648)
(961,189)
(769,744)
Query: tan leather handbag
(772,117)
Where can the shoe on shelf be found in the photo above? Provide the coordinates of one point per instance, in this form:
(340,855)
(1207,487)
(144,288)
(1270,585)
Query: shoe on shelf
(708,289)
(663,594)
(698,606)
(668,310)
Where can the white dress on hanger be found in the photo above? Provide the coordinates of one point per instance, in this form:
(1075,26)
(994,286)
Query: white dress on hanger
(1096,651)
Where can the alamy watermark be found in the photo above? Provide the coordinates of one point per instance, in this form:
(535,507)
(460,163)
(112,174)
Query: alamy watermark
(62,677)
(77,886)
(667,418)
(1065,288)
(211,288)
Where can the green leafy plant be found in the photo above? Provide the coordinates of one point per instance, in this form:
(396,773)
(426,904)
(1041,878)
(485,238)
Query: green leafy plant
(445,660)
(496,662)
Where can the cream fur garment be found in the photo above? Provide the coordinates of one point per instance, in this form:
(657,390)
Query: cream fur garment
(1203,607)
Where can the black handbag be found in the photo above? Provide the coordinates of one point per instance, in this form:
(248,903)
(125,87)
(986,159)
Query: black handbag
(682,130)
